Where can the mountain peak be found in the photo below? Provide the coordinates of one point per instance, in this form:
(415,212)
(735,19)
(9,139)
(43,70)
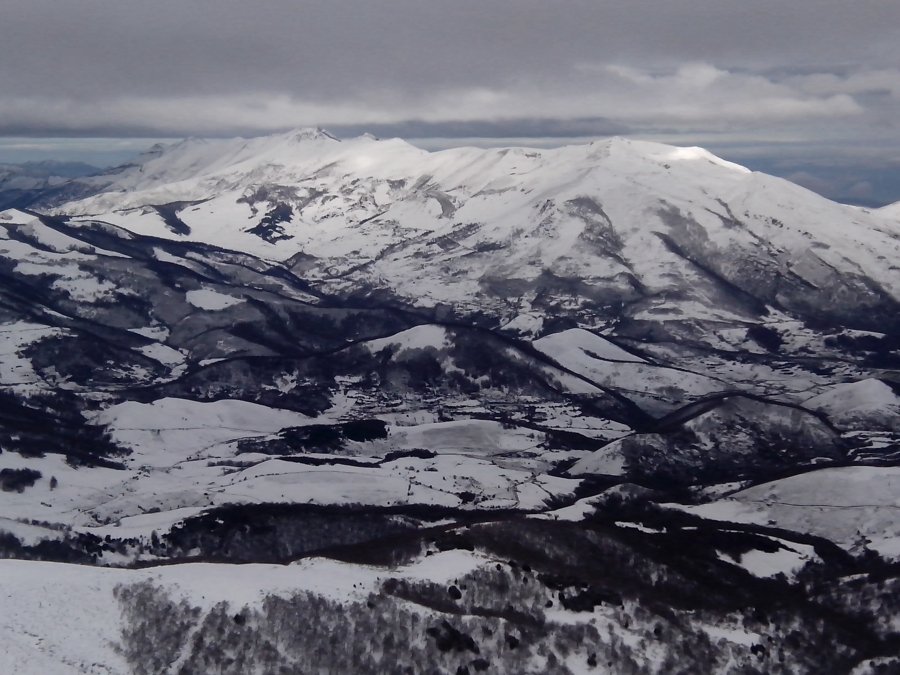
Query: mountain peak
(891,210)
(694,152)
(310,134)
(660,152)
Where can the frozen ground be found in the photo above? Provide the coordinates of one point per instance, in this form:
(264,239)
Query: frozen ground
(852,506)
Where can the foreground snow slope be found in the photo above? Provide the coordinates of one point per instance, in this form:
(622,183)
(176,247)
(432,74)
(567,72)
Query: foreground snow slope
(42,632)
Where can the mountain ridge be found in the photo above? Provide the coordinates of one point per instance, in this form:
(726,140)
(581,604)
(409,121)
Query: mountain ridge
(623,218)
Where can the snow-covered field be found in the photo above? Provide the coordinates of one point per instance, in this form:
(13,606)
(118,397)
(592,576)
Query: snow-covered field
(179,466)
(42,635)
(855,507)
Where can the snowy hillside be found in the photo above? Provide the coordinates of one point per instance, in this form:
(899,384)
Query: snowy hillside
(530,410)
(649,233)
(891,211)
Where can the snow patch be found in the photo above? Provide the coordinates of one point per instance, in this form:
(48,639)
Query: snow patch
(210,300)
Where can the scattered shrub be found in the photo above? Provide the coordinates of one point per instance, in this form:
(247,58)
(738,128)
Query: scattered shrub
(16,480)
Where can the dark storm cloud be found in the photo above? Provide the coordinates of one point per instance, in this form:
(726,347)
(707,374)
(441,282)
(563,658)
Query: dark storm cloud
(207,66)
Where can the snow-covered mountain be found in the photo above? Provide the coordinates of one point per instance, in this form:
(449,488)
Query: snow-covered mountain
(644,232)
(23,184)
(891,211)
(587,389)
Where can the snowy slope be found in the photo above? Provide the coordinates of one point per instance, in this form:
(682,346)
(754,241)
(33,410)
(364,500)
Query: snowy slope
(867,404)
(852,506)
(42,635)
(674,233)
(655,388)
(891,211)
(175,614)
(718,439)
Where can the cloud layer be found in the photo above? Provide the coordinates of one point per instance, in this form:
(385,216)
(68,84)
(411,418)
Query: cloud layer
(219,66)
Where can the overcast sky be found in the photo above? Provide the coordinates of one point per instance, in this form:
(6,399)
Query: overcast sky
(805,88)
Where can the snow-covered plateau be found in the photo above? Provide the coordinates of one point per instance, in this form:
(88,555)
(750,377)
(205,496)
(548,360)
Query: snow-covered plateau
(302,404)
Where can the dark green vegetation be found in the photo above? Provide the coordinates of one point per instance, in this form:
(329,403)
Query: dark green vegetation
(17,479)
(52,423)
